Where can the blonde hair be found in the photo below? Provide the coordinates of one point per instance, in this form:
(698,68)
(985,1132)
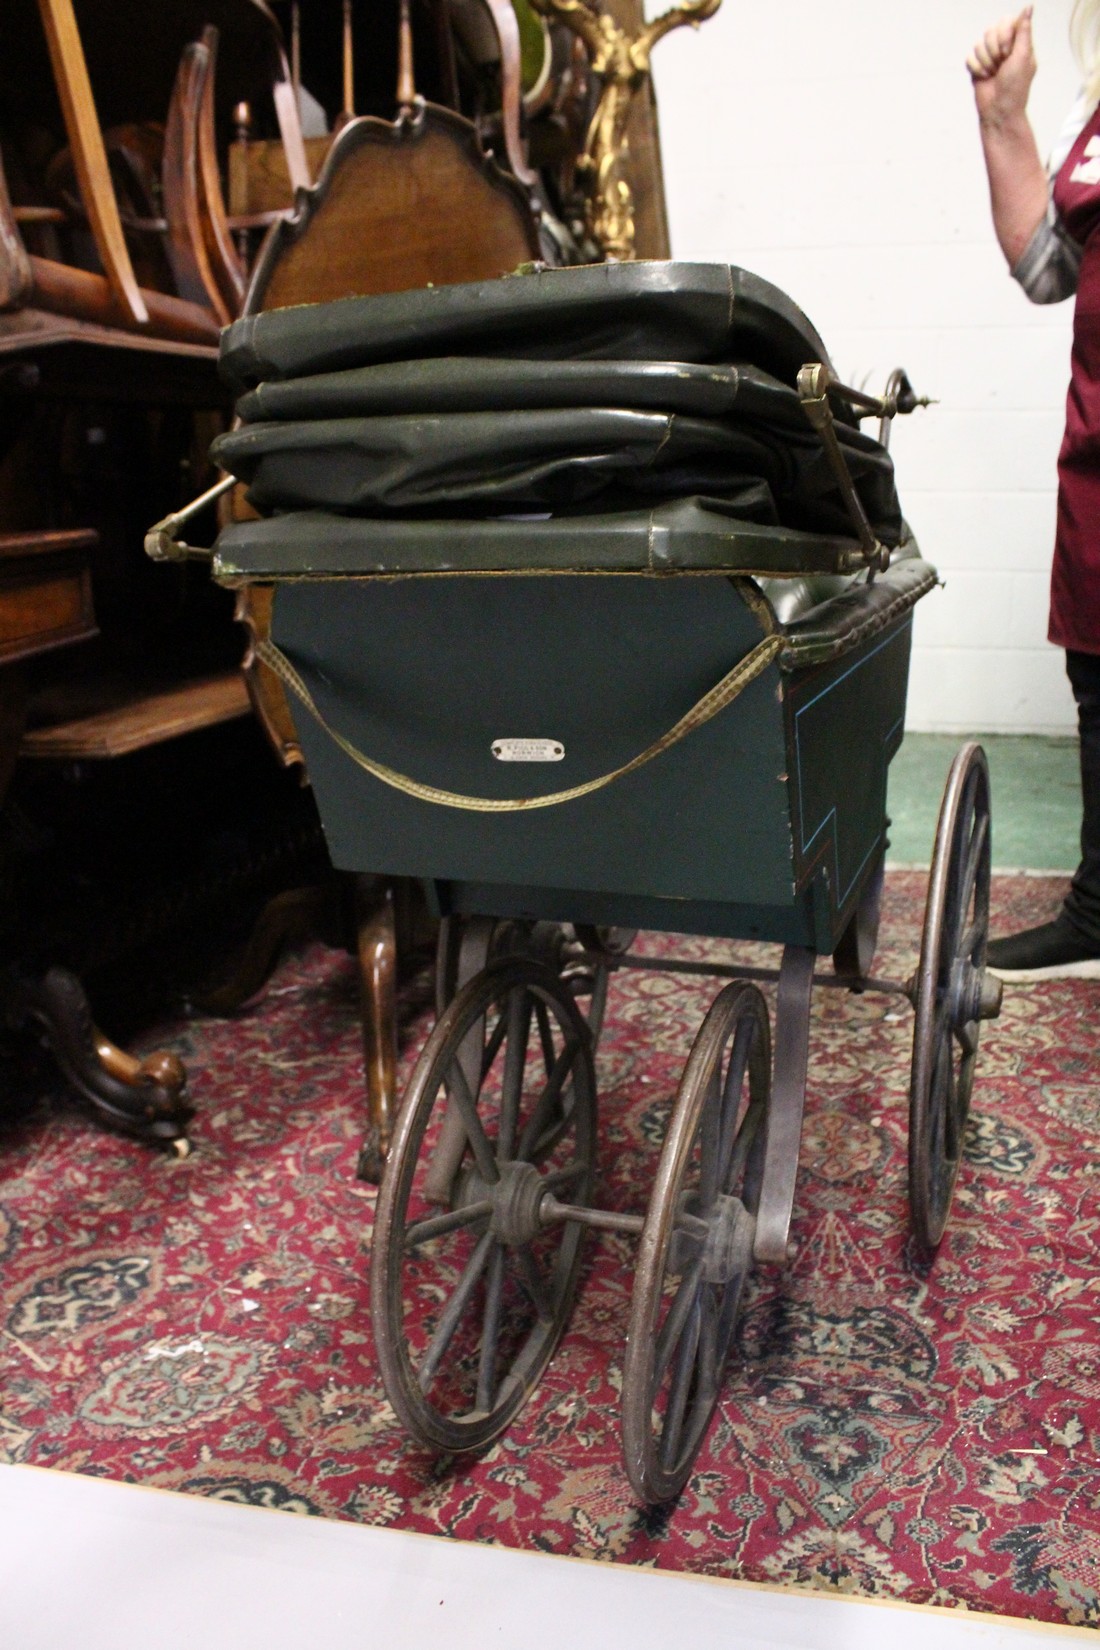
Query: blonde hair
(1084,34)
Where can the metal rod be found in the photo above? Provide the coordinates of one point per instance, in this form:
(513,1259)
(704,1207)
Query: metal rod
(788,1098)
(406,83)
(296,47)
(814,383)
(732,971)
(602,1220)
(161,543)
(349,62)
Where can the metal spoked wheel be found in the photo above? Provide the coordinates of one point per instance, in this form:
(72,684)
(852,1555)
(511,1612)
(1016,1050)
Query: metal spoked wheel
(695,1253)
(581,956)
(952,993)
(475,1256)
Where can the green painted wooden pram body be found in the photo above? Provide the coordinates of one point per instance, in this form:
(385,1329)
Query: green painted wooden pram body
(762,824)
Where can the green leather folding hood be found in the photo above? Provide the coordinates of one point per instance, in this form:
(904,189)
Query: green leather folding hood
(556,458)
(474,383)
(630,311)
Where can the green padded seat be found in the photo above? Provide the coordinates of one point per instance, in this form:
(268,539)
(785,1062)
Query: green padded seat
(685,535)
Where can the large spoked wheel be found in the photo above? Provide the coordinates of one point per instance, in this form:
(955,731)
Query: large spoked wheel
(475,1258)
(581,956)
(952,993)
(695,1253)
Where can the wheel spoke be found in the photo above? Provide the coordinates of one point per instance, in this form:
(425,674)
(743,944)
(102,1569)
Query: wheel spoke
(967,883)
(678,1312)
(532,1138)
(490,1332)
(422,1231)
(967,1037)
(710,1142)
(680,1391)
(451,1316)
(459,1091)
(708,1346)
(532,1282)
(742,1145)
(691,1225)
(546,1036)
(515,1058)
(492,1047)
(950,1107)
(731,1100)
(567,1175)
(973,937)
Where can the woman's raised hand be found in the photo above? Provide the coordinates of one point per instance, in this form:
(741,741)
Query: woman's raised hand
(1002,67)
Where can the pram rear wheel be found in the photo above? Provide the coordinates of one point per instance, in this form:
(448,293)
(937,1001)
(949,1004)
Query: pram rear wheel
(468,944)
(695,1252)
(471,1283)
(951,994)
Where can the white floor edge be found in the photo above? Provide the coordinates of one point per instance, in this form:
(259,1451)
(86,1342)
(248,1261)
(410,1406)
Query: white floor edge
(108,1566)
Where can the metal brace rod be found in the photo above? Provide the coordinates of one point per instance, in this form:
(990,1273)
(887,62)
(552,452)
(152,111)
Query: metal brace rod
(788,1099)
(734,971)
(814,383)
(600,1220)
(161,543)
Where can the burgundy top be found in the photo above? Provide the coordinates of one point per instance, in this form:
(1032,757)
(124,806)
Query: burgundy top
(1075,576)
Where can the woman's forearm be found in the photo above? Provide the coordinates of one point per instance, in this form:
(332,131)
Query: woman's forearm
(1018,185)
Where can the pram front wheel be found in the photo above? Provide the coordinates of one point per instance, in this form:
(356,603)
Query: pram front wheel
(952,994)
(695,1253)
(472,1280)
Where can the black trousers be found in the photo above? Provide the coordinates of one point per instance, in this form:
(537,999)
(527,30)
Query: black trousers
(1082,906)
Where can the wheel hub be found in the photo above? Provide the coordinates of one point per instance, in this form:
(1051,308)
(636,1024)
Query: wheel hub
(516,1199)
(972,993)
(728,1247)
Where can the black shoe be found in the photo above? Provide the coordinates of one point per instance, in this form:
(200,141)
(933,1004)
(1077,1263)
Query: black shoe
(1052,952)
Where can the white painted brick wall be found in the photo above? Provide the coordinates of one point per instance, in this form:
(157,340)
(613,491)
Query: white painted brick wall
(831,145)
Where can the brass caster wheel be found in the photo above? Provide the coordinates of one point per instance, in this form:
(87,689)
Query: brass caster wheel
(695,1253)
(952,994)
(475,1257)
(180,1147)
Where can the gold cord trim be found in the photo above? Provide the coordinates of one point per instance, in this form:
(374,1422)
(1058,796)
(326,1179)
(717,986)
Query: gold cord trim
(722,694)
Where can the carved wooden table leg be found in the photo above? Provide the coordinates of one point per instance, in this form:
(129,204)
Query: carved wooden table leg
(146,1098)
(377,947)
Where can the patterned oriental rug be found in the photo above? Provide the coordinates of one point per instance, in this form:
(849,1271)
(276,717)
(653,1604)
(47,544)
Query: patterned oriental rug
(923,1433)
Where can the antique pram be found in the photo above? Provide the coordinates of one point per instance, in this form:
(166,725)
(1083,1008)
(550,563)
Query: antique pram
(720,693)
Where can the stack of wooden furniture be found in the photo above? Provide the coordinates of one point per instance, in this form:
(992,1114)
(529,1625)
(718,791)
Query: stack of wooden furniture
(156,182)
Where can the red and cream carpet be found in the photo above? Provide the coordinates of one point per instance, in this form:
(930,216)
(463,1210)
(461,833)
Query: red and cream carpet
(924,1433)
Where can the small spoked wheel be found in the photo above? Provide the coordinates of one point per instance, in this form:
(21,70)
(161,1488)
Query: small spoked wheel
(695,1253)
(475,1256)
(952,993)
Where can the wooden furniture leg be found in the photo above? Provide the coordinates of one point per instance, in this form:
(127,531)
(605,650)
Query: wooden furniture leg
(89,155)
(289,918)
(146,1098)
(376,932)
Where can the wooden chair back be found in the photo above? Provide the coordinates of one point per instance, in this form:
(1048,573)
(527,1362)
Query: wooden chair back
(399,204)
